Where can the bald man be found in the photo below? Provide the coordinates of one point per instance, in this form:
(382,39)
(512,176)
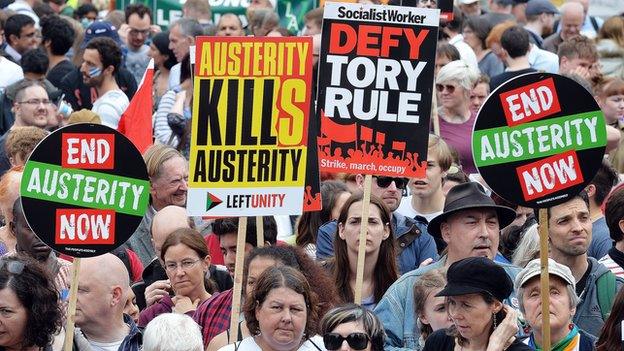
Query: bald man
(572,17)
(103,287)
(230,25)
(591,24)
(157,285)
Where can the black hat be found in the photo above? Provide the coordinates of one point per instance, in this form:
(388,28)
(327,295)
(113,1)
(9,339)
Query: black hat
(468,196)
(477,275)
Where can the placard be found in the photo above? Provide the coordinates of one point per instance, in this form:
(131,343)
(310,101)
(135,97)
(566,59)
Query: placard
(375,88)
(85,190)
(250,126)
(539,139)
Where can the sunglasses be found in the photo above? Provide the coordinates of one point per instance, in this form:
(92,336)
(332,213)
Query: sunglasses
(14,267)
(384,182)
(450,88)
(357,341)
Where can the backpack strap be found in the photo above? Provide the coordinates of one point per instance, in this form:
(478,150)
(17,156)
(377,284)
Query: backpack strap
(594,23)
(606,292)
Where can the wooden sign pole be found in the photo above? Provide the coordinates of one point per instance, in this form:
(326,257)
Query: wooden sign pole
(359,277)
(259,231)
(238,277)
(544,278)
(71,311)
(434,113)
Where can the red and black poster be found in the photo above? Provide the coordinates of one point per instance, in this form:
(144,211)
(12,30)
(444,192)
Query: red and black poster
(375,87)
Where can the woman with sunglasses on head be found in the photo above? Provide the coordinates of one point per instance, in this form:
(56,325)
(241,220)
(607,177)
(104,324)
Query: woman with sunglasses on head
(380,266)
(30,314)
(454,82)
(475,290)
(186,260)
(352,327)
(281,313)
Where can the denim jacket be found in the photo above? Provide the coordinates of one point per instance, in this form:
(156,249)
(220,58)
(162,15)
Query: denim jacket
(422,248)
(396,309)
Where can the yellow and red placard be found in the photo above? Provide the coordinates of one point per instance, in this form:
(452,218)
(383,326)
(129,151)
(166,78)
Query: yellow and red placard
(250,126)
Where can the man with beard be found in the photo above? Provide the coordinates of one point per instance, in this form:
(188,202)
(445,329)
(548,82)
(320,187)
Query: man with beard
(470,225)
(30,245)
(102,58)
(569,234)
(540,16)
(414,244)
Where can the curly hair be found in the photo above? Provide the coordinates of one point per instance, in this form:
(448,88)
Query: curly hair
(21,141)
(35,290)
(59,32)
(109,51)
(275,278)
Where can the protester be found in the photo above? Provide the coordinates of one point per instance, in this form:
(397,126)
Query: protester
(453,85)
(597,190)
(86,14)
(479,93)
(57,37)
(578,55)
(138,26)
(182,35)
(313,22)
(590,24)
(610,47)
(528,247)
(230,25)
(445,53)
(281,299)
(500,11)
(611,334)
(186,260)
(470,226)
(263,22)
(610,98)
(475,32)
(380,269)
(102,58)
(430,309)
(564,334)
(354,325)
(103,287)
(475,292)
(470,8)
(614,214)
(200,11)
(571,21)
(172,332)
(20,33)
(515,49)
(9,191)
(333,196)
(569,233)
(540,16)
(164,59)
(29,302)
(131,308)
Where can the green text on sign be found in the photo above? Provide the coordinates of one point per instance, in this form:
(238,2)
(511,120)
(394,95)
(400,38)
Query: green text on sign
(539,139)
(83,188)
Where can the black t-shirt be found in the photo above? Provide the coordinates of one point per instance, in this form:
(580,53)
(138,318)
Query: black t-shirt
(507,75)
(56,74)
(439,341)
(580,285)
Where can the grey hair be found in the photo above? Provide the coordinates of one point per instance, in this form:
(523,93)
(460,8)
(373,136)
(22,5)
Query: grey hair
(351,313)
(189,27)
(528,247)
(172,332)
(459,72)
(574,299)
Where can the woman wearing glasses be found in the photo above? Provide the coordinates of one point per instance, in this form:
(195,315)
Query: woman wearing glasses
(351,327)
(30,315)
(281,313)
(380,266)
(454,82)
(186,261)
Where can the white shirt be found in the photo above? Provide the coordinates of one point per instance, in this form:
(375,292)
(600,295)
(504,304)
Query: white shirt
(174,76)
(406,209)
(22,7)
(249,344)
(465,51)
(10,72)
(110,106)
(543,60)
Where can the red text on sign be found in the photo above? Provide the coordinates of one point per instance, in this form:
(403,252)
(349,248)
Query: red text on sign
(85,227)
(549,175)
(530,102)
(88,151)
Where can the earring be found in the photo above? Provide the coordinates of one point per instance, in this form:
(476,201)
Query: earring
(494,317)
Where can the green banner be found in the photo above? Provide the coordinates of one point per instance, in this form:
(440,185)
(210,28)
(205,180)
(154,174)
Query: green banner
(539,139)
(89,189)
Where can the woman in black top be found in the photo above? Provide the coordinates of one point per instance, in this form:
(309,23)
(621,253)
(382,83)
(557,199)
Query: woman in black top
(475,290)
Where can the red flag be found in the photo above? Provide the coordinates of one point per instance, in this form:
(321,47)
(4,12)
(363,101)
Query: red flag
(380,138)
(341,133)
(136,121)
(398,145)
(366,134)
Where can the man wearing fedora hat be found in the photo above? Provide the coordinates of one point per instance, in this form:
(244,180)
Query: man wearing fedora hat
(470,226)
(414,244)
(569,236)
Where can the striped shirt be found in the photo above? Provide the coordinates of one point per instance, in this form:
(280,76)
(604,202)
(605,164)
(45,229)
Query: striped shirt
(608,262)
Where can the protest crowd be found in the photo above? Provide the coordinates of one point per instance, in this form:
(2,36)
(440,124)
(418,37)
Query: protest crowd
(449,264)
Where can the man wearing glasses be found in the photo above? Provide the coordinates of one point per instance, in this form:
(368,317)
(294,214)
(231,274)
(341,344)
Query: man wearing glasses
(414,244)
(138,29)
(21,36)
(30,108)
